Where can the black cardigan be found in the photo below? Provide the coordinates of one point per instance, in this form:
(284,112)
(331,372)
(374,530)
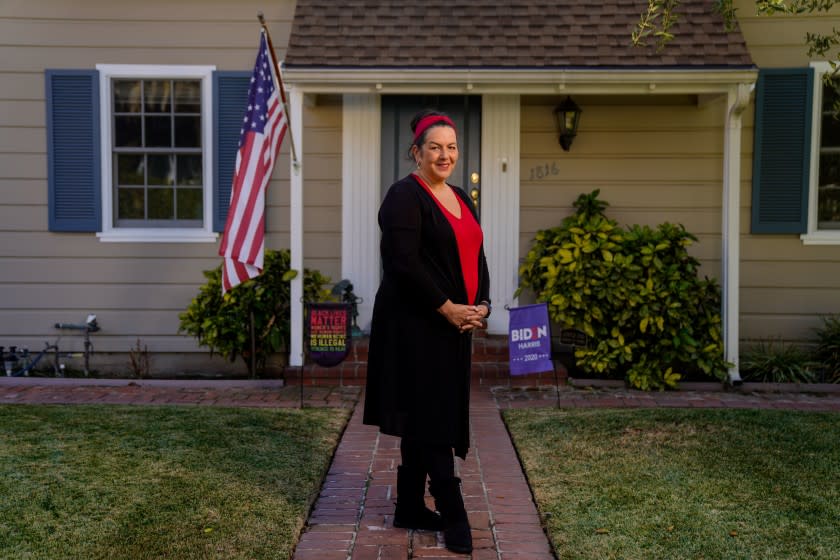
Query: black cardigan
(418,363)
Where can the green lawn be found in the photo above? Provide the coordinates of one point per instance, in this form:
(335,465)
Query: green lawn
(675,484)
(116,482)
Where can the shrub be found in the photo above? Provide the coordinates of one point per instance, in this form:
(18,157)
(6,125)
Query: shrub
(222,323)
(777,363)
(634,292)
(828,348)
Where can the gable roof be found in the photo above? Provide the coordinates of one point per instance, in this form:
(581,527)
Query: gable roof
(499,34)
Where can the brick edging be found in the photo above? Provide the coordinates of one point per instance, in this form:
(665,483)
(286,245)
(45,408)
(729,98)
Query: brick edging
(123,382)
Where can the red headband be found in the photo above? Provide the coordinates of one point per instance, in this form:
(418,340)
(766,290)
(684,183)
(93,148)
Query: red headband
(426,122)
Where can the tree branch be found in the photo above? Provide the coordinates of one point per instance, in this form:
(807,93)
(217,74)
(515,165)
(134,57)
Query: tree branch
(661,15)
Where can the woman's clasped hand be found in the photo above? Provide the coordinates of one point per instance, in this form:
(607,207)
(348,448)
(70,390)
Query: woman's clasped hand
(464,317)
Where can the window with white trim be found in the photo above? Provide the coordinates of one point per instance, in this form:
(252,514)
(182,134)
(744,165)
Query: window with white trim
(156,153)
(824,187)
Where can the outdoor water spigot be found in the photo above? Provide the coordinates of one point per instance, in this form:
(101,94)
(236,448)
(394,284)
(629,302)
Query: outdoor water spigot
(90,325)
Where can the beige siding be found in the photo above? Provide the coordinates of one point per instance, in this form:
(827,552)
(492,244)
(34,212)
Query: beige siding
(779,41)
(653,159)
(135,289)
(785,285)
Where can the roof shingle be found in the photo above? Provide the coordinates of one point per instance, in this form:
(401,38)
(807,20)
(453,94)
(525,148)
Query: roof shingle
(497,34)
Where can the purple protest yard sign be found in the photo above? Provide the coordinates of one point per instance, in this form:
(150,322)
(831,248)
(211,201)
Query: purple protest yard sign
(529,336)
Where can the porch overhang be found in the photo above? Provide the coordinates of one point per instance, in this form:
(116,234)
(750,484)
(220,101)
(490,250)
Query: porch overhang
(618,81)
(732,84)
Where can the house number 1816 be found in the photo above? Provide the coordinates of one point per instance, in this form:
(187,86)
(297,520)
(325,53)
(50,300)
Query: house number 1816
(543,171)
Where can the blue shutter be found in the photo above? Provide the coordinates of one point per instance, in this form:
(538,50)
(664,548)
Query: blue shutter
(73,159)
(230,98)
(782,150)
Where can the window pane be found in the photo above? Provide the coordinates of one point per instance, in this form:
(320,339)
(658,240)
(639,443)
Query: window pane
(828,193)
(188,97)
(829,207)
(830,95)
(829,169)
(158,132)
(130,204)
(126,96)
(189,170)
(131,169)
(161,204)
(189,204)
(127,132)
(157,152)
(158,95)
(188,132)
(830,133)
(161,169)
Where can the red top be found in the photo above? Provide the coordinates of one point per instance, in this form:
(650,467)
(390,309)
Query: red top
(468,237)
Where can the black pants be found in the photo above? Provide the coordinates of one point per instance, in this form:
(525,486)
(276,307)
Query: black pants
(433,459)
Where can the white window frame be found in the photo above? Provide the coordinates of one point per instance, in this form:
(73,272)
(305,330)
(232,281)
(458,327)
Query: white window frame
(817,236)
(107,73)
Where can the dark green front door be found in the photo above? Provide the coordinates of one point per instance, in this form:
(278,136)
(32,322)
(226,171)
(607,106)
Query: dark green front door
(465,110)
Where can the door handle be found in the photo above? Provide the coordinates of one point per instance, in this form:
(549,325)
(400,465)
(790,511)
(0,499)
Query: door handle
(474,194)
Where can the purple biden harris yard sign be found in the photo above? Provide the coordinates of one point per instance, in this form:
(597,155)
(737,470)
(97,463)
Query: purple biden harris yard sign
(530,339)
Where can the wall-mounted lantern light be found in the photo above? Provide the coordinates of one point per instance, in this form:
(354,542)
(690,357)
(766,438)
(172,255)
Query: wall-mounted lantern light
(567,118)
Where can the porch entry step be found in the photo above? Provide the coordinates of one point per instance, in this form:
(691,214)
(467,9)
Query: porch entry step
(490,365)
(493,348)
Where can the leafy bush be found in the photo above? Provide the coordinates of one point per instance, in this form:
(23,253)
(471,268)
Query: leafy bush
(777,363)
(634,292)
(222,323)
(828,348)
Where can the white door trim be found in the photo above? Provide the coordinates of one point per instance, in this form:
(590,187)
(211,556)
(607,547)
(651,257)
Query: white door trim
(500,120)
(360,198)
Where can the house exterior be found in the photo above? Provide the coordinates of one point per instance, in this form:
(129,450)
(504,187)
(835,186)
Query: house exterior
(116,128)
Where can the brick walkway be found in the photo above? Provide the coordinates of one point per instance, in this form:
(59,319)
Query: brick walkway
(351,519)
(352,516)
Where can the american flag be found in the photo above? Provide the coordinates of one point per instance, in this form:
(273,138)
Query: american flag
(263,129)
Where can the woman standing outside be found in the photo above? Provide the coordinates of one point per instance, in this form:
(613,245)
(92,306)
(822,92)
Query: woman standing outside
(434,293)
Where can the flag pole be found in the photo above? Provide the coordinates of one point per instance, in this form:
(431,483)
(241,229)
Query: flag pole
(260,17)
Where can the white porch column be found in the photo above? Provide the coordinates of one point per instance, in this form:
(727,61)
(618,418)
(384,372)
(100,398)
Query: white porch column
(296,229)
(500,202)
(736,100)
(360,198)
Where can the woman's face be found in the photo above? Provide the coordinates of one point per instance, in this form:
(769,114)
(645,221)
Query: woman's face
(437,156)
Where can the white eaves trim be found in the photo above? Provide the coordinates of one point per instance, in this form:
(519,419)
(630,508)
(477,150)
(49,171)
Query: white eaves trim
(518,82)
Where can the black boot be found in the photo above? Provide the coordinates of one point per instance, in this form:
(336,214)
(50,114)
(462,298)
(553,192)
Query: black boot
(450,503)
(411,511)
